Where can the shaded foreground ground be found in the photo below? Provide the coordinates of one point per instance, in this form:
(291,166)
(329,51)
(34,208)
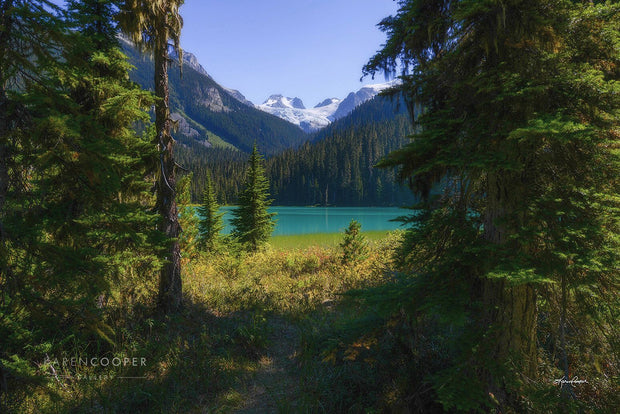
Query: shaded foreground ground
(279,331)
(250,339)
(274,387)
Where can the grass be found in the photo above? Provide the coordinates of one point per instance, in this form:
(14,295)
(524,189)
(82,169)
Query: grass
(218,142)
(327,240)
(236,345)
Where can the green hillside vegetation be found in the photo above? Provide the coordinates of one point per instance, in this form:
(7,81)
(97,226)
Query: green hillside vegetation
(227,166)
(334,168)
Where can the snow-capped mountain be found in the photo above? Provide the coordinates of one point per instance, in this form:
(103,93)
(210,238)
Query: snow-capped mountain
(294,111)
(312,119)
(208,115)
(279,101)
(289,109)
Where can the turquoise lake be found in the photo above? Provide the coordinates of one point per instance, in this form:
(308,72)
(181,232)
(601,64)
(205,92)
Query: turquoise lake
(307,220)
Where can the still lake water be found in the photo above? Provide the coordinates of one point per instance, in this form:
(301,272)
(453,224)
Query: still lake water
(307,220)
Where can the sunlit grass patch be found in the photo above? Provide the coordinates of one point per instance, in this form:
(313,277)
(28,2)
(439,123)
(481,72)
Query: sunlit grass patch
(302,241)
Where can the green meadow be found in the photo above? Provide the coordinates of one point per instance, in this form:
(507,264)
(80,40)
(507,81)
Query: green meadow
(303,241)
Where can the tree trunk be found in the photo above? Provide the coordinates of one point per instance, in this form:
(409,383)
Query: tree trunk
(509,316)
(170,285)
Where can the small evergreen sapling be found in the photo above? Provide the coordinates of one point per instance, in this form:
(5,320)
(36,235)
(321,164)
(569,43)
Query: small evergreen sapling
(354,245)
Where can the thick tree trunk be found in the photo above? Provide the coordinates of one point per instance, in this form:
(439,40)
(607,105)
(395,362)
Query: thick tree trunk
(509,316)
(170,286)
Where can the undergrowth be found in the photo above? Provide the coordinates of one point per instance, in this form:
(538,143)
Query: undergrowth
(203,358)
(342,347)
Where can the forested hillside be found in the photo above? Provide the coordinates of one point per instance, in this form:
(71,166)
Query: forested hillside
(337,168)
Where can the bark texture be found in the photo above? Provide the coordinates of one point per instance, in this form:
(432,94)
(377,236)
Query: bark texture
(170,286)
(509,316)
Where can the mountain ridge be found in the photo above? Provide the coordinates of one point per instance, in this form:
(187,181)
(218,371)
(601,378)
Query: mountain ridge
(324,113)
(216,116)
(211,115)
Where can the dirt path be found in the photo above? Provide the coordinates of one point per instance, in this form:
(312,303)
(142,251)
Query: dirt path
(274,387)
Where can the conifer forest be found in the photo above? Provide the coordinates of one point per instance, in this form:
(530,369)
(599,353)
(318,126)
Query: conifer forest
(124,288)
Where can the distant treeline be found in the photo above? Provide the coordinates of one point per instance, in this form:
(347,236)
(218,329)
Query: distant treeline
(335,168)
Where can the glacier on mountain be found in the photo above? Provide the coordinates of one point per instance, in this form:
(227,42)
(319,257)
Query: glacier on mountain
(331,109)
(289,109)
(294,111)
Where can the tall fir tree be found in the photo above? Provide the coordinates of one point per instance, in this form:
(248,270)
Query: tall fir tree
(82,220)
(151,25)
(210,225)
(521,105)
(252,222)
(30,32)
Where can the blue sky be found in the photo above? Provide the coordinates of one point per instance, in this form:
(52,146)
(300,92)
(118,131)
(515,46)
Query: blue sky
(312,49)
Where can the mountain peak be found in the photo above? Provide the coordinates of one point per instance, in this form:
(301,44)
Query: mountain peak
(297,103)
(365,93)
(189,59)
(329,110)
(279,101)
(328,101)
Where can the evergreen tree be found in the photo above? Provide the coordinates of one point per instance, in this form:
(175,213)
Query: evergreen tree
(151,24)
(96,20)
(81,222)
(210,224)
(521,114)
(28,35)
(353,244)
(251,221)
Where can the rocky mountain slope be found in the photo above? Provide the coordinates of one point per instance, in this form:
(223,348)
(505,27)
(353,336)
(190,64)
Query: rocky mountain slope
(211,115)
